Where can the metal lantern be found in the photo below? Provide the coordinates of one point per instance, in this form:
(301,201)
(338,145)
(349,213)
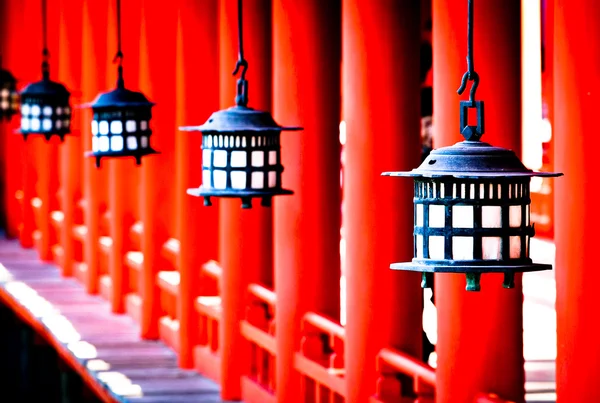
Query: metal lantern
(241,156)
(45,108)
(472,207)
(9,97)
(241,151)
(121,122)
(121,125)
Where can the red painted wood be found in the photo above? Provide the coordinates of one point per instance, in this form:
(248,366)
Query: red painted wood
(245,236)
(576,100)
(306,92)
(70,73)
(13,143)
(95,61)
(123,174)
(382,131)
(476,329)
(157,50)
(197,226)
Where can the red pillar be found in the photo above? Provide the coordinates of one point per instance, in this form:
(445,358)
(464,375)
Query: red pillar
(32,72)
(306,92)
(94,180)
(381,90)
(576,100)
(197,225)
(45,153)
(157,68)
(122,172)
(246,236)
(13,61)
(480,334)
(69,73)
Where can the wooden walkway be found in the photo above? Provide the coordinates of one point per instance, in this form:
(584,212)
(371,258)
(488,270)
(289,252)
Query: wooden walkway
(103,348)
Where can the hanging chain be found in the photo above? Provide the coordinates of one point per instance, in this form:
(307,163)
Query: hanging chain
(241,98)
(470,74)
(470,132)
(119,56)
(45,53)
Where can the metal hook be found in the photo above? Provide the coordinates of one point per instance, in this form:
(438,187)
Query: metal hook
(118,57)
(241,63)
(469,76)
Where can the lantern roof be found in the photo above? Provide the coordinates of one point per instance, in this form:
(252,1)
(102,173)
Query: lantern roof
(238,119)
(471,159)
(46,87)
(120,97)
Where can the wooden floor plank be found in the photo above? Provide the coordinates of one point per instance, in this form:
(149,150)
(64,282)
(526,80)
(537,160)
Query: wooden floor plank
(104,348)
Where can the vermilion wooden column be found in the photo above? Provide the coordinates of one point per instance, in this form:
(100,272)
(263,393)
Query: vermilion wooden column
(576,100)
(30,72)
(480,334)
(69,73)
(306,92)
(13,143)
(197,225)
(246,236)
(381,109)
(45,152)
(157,68)
(94,180)
(122,172)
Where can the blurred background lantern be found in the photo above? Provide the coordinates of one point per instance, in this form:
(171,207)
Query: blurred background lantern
(9,97)
(45,108)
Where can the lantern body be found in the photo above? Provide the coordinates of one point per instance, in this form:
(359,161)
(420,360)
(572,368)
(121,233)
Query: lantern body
(241,156)
(472,221)
(121,126)
(45,109)
(472,213)
(9,97)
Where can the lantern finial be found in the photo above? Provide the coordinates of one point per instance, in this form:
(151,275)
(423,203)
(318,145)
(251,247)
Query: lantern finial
(470,132)
(241,98)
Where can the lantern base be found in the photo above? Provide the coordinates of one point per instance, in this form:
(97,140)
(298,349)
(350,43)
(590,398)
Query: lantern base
(472,269)
(46,135)
(137,155)
(246,195)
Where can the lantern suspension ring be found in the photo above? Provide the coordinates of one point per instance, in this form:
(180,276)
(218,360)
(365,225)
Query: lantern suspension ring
(241,150)
(9,97)
(121,122)
(471,202)
(45,108)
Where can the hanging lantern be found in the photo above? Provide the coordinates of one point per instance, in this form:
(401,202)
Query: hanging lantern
(121,121)
(9,97)
(472,205)
(241,151)
(45,108)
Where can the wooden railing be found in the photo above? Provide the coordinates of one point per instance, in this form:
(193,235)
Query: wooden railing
(208,306)
(402,376)
(321,360)
(259,329)
(491,398)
